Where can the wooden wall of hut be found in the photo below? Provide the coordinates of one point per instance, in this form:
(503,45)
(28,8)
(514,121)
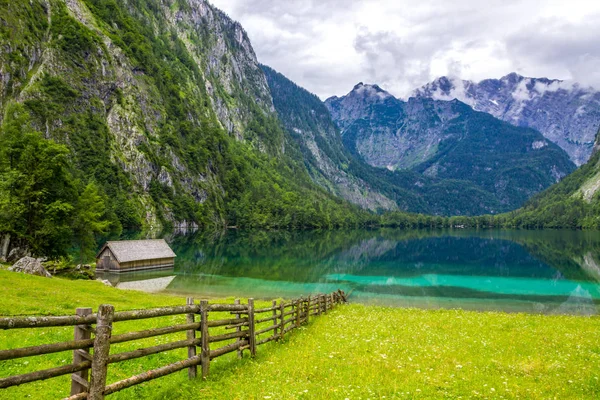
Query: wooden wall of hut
(147,264)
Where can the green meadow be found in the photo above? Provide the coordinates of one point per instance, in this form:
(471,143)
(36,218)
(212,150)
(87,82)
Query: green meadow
(353,352)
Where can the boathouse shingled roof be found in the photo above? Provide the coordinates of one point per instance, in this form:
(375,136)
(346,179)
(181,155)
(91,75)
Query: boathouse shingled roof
(137,250)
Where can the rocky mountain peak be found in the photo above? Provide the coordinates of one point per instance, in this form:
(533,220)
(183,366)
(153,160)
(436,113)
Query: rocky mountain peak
(444,139)
(513,77)
(564,112)
(357,102)
(445,88)
(443,83)
(369,91)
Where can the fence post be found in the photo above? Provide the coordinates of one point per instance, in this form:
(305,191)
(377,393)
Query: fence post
(320,303)
(274,306)
(281,312)
(205,354)
(191,334)
(298,311)
(80,380)
(251,330)
(240,353)
(101,351)
(307,309)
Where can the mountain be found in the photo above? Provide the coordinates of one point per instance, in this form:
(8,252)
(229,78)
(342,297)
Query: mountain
(333,167)
(448,140)
(308,121)
(341,172)
(566,113)
(142,114)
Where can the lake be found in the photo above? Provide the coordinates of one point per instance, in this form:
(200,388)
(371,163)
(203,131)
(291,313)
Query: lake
(502,270)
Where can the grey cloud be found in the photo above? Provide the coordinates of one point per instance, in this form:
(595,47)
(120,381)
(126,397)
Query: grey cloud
(553,44)
(466,38)
(394,62)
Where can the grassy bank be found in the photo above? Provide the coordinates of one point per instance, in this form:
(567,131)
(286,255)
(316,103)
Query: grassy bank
(354,352)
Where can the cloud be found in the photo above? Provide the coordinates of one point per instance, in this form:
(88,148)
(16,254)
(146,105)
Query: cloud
(392,61)
(328,46)
(554,45)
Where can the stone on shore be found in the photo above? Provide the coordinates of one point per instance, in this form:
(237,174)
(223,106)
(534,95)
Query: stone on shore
(31,266)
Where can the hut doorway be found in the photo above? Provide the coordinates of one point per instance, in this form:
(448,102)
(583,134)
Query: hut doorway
(106,263)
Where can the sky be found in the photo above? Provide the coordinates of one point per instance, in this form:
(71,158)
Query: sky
(328,46)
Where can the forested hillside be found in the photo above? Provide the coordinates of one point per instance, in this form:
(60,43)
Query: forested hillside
(309,123)
(127,115)
(572,203)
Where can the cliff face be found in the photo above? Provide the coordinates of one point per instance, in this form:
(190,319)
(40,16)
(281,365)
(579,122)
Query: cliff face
(221,47)
(148,95)
(387,132)
(565,113)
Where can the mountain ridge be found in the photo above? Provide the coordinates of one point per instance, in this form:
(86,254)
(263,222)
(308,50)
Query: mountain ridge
(565,112)
(448,140)
(307,120)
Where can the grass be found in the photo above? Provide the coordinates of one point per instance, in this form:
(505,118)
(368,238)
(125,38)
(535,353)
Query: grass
(355,352)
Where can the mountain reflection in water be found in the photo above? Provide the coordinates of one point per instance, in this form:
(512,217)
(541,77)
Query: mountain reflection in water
(525,271)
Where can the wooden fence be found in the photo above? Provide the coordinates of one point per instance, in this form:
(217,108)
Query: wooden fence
(89,370)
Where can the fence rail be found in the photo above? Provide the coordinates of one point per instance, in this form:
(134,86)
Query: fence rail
(89,369)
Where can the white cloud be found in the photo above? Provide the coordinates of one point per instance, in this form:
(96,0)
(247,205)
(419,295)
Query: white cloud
(521,92)
(458,91)
(328,46)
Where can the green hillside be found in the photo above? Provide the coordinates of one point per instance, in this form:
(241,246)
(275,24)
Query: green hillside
(572,203)
(141,115)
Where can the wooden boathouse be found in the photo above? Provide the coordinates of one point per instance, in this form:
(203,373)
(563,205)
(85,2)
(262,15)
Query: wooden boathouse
(134,255)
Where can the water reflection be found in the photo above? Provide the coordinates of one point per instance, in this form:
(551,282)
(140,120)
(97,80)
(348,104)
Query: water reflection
(147,280)
(529,271)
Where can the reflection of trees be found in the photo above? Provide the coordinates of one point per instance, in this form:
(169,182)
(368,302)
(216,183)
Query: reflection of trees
(308,256)
(278,255)
(570,252)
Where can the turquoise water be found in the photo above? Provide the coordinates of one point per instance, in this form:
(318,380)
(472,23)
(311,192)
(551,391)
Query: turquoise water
(524,271)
